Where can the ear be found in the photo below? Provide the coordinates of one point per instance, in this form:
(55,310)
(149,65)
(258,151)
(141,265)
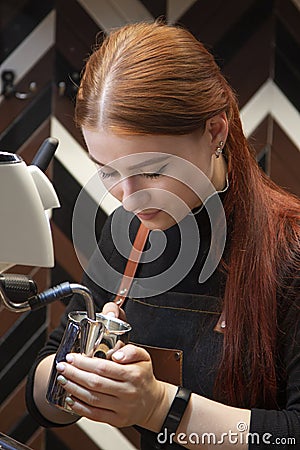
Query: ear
(217,129)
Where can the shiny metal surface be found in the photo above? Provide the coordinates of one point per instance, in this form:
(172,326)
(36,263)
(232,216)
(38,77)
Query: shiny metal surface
(93,338)
(7,443)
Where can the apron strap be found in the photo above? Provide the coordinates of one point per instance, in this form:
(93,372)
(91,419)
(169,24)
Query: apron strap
(131,267)
(132,264)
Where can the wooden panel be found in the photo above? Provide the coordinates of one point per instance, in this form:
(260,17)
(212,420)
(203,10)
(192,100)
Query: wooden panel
(64,112)
(74,20)
(74,438)
(157,8)
(9,12)
(65,254)
(260,138)
(208,20)
(42,74)
(285,162)
(37,440)
(250,67)
(17,20)
(289,14)
(13,408)
(56,311)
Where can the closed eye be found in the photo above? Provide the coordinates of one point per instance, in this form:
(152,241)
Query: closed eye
(106,175)
(157,174)
(151,175)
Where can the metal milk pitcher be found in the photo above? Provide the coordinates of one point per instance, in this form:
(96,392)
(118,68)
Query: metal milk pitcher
(98,337)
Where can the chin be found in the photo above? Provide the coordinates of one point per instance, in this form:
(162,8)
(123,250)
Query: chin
(163,223)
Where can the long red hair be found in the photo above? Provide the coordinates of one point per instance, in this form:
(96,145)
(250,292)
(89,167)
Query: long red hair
(151,78)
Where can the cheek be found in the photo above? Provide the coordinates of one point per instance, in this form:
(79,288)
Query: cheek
(167,194)
(179,190)
(175,199)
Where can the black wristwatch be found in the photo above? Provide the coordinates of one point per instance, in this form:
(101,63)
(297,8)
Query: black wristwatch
(176,411)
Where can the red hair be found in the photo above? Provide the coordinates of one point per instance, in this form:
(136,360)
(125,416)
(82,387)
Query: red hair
(151,78)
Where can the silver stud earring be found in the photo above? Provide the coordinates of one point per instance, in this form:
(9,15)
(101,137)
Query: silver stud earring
(219,149)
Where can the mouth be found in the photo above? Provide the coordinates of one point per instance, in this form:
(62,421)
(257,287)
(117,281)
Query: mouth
(148,215)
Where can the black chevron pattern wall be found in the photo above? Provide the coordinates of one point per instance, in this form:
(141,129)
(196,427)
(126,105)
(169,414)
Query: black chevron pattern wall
(257,44)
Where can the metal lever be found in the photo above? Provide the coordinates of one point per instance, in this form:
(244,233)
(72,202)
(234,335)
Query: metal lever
(19,294)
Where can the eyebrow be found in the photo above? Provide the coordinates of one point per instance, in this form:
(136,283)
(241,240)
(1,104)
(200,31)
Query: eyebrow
(136,166)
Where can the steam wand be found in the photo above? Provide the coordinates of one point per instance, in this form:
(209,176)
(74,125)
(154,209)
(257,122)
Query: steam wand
(23,292)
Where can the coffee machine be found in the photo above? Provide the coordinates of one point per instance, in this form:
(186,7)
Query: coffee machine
(26,198)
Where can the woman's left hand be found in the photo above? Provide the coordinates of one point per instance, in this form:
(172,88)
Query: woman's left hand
(122,391)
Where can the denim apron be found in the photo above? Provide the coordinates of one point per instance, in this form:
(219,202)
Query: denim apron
(177,326)
(185,324)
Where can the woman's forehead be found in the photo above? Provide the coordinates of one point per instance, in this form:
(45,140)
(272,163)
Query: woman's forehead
(105,147)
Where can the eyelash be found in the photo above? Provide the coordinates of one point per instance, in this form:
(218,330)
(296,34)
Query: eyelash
(151,175)
(104,176)
(146,175)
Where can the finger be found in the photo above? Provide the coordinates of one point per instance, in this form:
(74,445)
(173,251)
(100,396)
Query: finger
(117,347)
(113,309)
(130,354)
(97,366)
(91,381)
(95,414)
(90,397)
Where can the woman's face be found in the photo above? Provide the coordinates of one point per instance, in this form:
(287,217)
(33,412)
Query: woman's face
(160,178)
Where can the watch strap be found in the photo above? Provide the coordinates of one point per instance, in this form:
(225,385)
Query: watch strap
(176,410)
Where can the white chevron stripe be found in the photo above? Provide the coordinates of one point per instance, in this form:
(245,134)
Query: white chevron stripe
(76,161)
(296,3)
(269,99)
(176,9)
(110,14)
(36,44)
(106,436)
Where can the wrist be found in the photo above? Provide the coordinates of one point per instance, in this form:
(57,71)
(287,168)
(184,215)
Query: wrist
(161,407)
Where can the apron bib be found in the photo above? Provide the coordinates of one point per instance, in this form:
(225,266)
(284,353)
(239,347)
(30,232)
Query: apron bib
(180,331)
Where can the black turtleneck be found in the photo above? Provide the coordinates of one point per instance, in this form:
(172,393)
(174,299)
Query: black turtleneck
(191,306)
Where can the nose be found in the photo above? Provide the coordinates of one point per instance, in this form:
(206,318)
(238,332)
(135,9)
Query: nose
(133,196)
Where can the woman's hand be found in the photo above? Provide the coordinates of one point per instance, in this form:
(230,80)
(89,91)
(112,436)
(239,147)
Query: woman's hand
(121,392)
(113,309)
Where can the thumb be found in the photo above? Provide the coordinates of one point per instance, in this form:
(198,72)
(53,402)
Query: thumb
(113,309)
(130,354)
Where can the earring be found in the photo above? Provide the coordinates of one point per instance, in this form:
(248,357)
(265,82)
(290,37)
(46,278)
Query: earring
(219,149)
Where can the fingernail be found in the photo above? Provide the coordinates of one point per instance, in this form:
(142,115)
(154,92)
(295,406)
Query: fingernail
(70,358)
(60,367)
(118,356)
(111,314)
(70,401)
(62,380)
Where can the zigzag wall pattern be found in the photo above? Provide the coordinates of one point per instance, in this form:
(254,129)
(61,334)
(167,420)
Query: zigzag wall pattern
(257,44)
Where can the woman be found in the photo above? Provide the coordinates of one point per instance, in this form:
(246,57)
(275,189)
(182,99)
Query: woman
(163,126)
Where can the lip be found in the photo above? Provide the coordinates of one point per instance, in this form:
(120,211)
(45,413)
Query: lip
(148,216)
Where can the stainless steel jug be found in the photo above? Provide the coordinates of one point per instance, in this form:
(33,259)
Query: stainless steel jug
(7,443)
(98,337)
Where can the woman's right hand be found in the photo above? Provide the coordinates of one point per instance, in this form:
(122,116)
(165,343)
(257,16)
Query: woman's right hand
(113,309)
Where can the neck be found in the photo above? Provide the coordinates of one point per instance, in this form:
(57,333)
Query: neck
(219,173)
